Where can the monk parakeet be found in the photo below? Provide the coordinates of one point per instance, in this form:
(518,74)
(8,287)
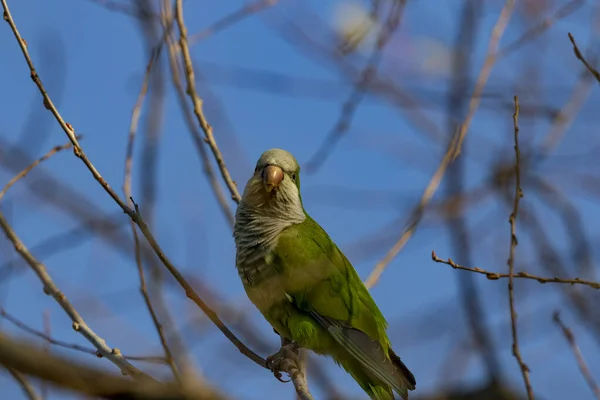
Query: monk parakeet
(303,284)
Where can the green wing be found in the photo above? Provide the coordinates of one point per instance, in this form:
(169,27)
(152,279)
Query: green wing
(322,282)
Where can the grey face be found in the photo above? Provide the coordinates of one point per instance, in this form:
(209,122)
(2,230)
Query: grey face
(273,166)
(280,158)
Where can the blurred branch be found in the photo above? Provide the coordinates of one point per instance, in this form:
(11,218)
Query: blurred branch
(132,213)
(577,353)
(580,57)
(231,19)
(174,62)
(552,260)
(47,348)
(70,374)
(28,389)
(453,150)
(197,102)
(566,115)
(351,104)
(538,30)
(47,338)
(79,325)
(116,6)
(523,275)
(31,166)
(457,196)
(127,192)
(511,259)
(484,74)
(287,365)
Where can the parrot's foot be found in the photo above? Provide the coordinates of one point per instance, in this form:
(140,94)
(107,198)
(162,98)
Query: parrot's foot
(281,360)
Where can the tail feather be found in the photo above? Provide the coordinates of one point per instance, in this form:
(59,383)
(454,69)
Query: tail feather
(403,370)
(378,371)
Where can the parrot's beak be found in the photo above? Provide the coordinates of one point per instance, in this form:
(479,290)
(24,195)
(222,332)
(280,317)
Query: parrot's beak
(272,177)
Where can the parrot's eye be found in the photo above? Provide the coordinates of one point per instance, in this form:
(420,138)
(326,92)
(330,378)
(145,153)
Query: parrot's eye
(294,176)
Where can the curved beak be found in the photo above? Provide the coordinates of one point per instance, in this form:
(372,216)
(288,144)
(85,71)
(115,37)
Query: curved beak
(272,177)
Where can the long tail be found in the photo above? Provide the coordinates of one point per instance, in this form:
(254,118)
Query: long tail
(379,371)
(398,377)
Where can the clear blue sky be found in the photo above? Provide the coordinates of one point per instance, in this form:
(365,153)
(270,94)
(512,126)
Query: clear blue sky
(92,62)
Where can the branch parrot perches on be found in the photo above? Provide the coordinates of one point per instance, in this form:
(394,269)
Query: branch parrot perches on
(304,285)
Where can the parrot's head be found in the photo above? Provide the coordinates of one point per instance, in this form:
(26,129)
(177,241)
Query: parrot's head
(275,182)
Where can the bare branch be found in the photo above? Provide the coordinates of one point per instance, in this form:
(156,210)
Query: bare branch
(511,258)
(28,389)
(453,150)
(127,192)
(523,275)
(132,213)
(70,374)
(287,360)
(539,29)
(49,339)
(79,325)
(585,371)
(366,76)
(34,164)
(580,57)
(197,102)
(231,19)
(207,167)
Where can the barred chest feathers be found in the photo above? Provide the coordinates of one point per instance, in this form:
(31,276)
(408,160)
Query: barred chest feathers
(256,233)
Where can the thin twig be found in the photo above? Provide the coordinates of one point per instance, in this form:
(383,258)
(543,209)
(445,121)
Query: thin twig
(79,325)
(34,164)
(132,213)
(117,7)
(539,29)
(197,102)
(585,371)
(47,331)
(28,389)
(522,275)
(511,258)
(484,74)
(453,150)
(135,116)
(49,339)
(581,58)
(174,62)
(566,115)
(358,93)
(232,19)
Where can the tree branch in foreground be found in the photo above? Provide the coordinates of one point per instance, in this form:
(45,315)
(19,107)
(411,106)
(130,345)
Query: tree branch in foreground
(46,337)
(79,325)
(69,374)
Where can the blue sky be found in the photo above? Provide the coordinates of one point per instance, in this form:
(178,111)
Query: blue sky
(91,61)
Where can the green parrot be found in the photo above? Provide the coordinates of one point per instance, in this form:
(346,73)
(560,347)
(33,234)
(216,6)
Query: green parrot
(303,284)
